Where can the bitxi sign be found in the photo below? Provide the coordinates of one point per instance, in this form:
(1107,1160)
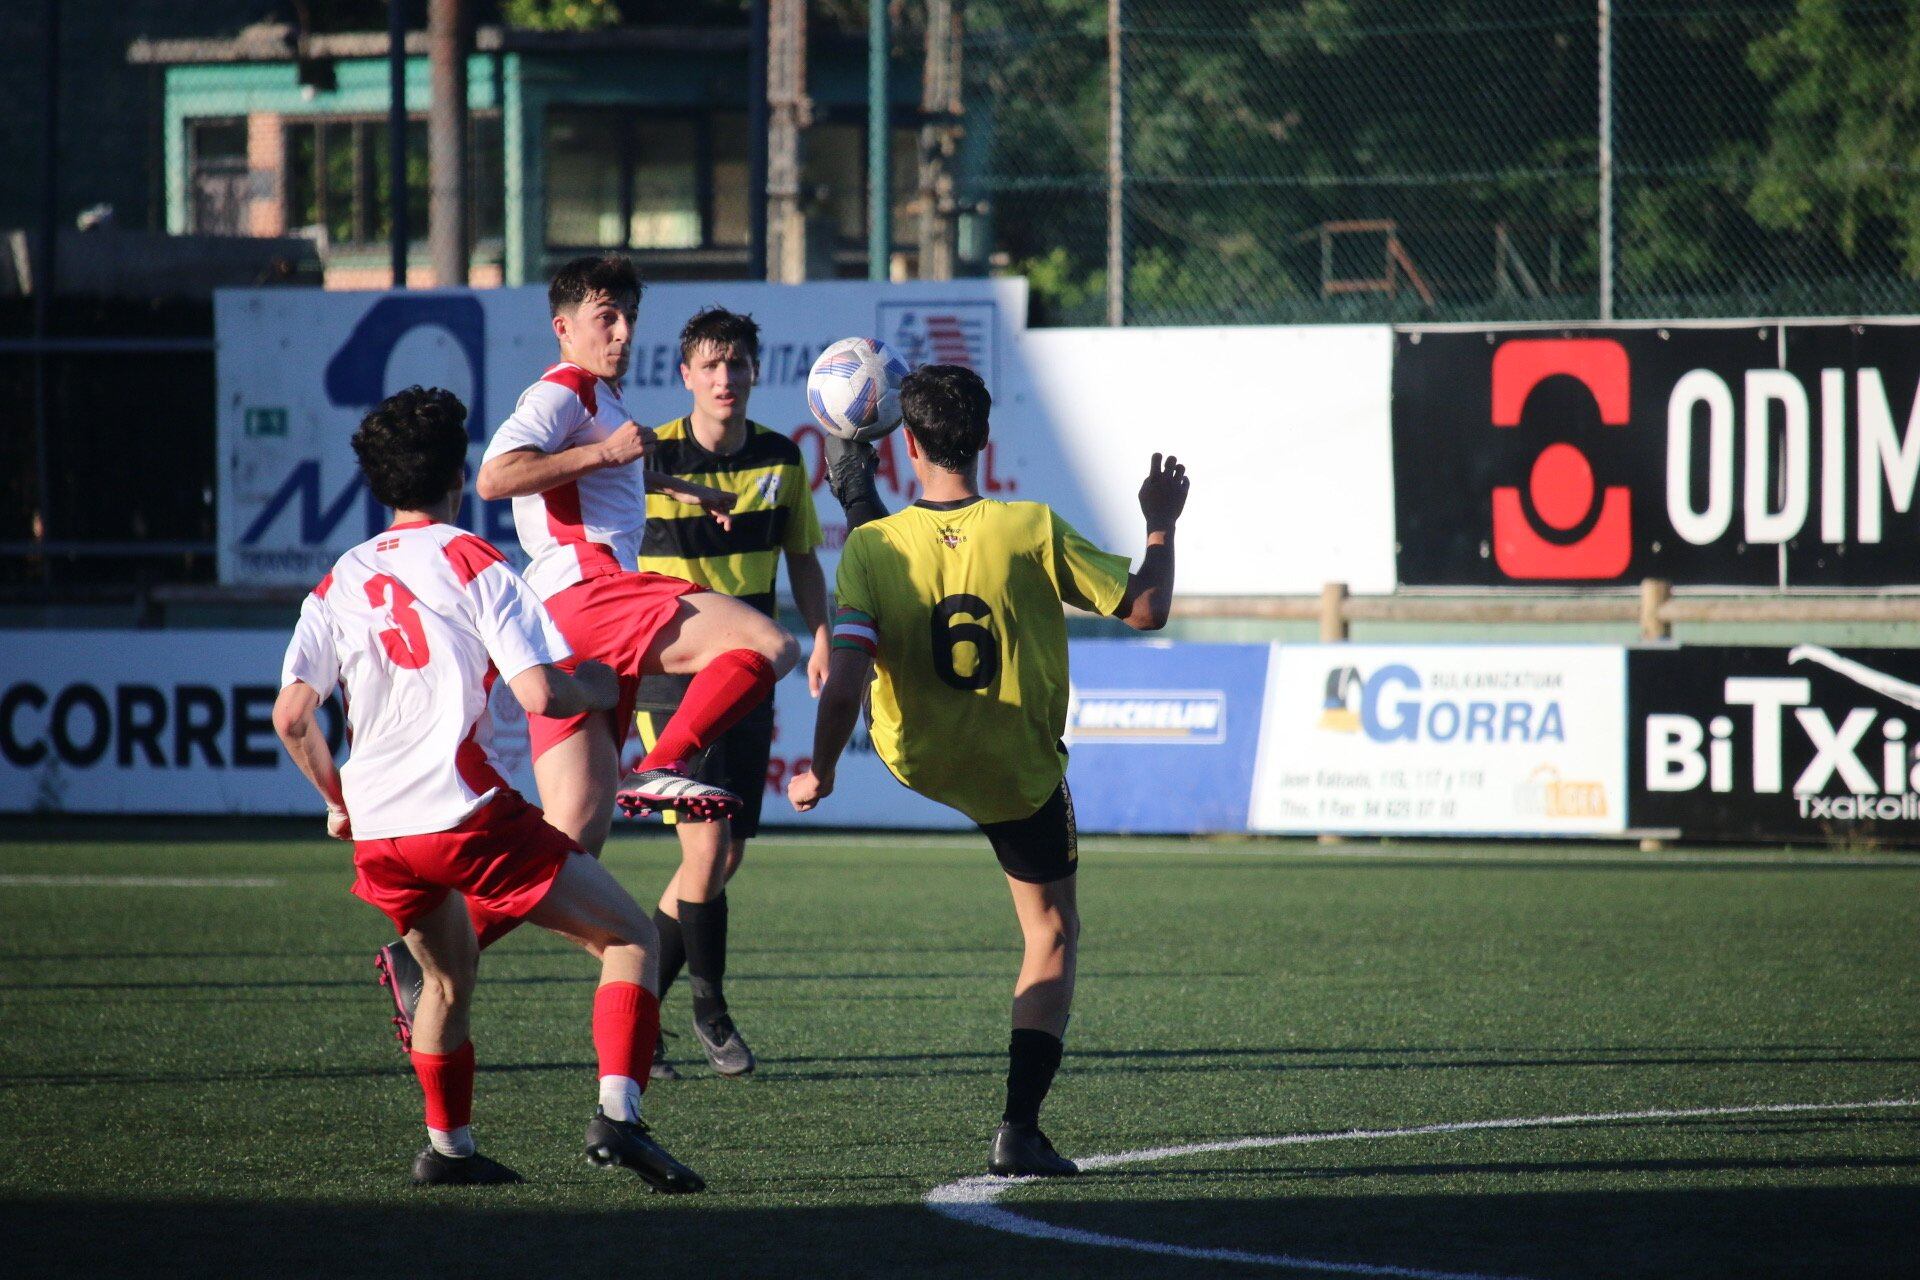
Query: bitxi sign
(1748,743)
(1760,455)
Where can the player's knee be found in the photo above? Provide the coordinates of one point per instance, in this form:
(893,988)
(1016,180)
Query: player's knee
(782,650)
(448,989)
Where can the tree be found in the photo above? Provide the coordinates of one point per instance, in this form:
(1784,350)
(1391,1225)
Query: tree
(1843,147)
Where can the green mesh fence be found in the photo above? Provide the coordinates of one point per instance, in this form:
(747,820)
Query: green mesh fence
(1337,160)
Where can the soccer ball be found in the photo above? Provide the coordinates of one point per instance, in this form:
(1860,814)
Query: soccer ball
(854,389)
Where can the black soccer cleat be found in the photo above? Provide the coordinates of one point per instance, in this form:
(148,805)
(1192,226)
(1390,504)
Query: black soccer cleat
(657,790)
(661,1068)
(850,468)
(431,1169)
(629,1144)
(1022,1151)
(726,1050)
(400,975)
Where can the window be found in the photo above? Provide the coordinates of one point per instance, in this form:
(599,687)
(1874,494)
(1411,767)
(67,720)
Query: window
(662,182)
(338,186)
(835,175)
(218,183)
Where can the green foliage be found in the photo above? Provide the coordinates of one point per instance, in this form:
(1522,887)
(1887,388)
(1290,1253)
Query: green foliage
(1843,149)
(560,15)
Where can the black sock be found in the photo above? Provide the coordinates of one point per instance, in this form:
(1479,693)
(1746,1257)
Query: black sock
(1032,1058)
(705,927)
(673,949)
(862,510)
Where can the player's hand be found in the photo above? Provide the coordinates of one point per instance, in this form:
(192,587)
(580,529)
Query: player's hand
(817,664)
(1163,494)
(717,503)
(807,789)
(339,826)
(600,685)
(630,442)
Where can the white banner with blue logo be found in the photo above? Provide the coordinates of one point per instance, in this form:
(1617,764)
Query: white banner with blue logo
(1444,739)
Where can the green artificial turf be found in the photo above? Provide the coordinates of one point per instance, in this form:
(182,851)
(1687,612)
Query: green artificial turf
(198,1080)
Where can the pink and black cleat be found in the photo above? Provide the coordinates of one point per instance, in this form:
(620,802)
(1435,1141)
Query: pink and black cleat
(659,790)
(400,975)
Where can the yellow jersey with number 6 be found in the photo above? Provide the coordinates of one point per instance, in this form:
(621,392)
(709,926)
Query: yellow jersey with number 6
(959,605)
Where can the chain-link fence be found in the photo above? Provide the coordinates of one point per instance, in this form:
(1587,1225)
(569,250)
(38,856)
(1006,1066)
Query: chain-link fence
(1321,160)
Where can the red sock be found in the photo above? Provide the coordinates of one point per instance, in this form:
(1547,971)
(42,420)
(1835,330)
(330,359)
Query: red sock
(447,1081)
(626,1026)
(733,684)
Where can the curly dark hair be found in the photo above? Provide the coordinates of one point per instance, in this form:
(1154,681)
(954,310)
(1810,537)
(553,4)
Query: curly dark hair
(413,448)
(945,406)
(719,327)
(610,273)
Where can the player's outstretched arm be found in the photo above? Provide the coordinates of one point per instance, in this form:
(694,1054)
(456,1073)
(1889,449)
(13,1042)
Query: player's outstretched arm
(839,710)
(307,746)
(521,472)
(1149,598)
(717,503)
(546,690)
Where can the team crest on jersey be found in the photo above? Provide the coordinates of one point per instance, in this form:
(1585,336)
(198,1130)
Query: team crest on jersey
(386,544)
(769,487)
(951,536)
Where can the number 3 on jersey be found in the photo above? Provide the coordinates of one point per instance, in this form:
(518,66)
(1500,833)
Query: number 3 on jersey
(954,626)
(406,643)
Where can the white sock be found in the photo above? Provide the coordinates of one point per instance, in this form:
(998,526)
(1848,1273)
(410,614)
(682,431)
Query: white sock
(452,1142)
(620,1097)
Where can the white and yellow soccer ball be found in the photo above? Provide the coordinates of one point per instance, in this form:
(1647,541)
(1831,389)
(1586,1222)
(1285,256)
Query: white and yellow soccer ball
(854,389)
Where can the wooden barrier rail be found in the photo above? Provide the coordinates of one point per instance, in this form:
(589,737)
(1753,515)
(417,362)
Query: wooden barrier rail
(1655,609)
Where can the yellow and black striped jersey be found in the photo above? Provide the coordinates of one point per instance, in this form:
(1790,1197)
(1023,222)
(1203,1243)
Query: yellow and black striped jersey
(959,605)
(775,513)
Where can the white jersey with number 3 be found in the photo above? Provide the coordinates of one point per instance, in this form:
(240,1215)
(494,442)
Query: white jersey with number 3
(414,626)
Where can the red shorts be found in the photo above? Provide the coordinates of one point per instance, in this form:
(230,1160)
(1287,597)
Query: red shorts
(611,619)
(503,858)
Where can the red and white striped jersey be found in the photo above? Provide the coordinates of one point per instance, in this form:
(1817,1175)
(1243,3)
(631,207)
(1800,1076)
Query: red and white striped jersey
(414,626)
(590,527)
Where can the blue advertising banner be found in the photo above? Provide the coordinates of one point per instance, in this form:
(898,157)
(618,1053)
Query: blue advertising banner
(1163,736)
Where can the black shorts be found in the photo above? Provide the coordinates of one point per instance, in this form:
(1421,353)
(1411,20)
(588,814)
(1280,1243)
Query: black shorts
(738,761)
(1042,847)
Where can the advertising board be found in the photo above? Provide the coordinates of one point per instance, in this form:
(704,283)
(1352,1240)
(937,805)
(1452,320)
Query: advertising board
(1758,455)
(1443,739)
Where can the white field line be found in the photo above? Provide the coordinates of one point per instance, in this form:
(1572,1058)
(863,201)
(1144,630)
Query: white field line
(972,1200)
(1279,848)
(136,882)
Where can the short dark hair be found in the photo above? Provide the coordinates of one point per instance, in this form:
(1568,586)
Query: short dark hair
(413,448)
(609,273)
(719,327)
(946,408)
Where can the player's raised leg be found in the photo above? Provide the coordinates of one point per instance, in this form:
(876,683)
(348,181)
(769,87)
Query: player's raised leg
(442,944)
(734,653)
(1042,1002)
(577,776)
(586,904)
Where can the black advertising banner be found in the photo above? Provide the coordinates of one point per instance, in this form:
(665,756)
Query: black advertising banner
(1796,744)
(1759,455)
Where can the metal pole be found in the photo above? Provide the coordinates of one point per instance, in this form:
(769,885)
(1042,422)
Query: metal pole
(1116,173)
(1606,159)
(758,125)
(879,140)
(45,272)
(447,141)
(397,135)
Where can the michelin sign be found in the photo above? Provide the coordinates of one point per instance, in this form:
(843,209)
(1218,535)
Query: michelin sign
(298,368)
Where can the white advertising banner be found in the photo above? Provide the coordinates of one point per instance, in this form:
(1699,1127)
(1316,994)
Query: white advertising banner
(181,722)
(1285,430)
(1444,739)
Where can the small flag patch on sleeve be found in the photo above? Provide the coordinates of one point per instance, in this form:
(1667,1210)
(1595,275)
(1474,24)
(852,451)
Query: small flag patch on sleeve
(853,629)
